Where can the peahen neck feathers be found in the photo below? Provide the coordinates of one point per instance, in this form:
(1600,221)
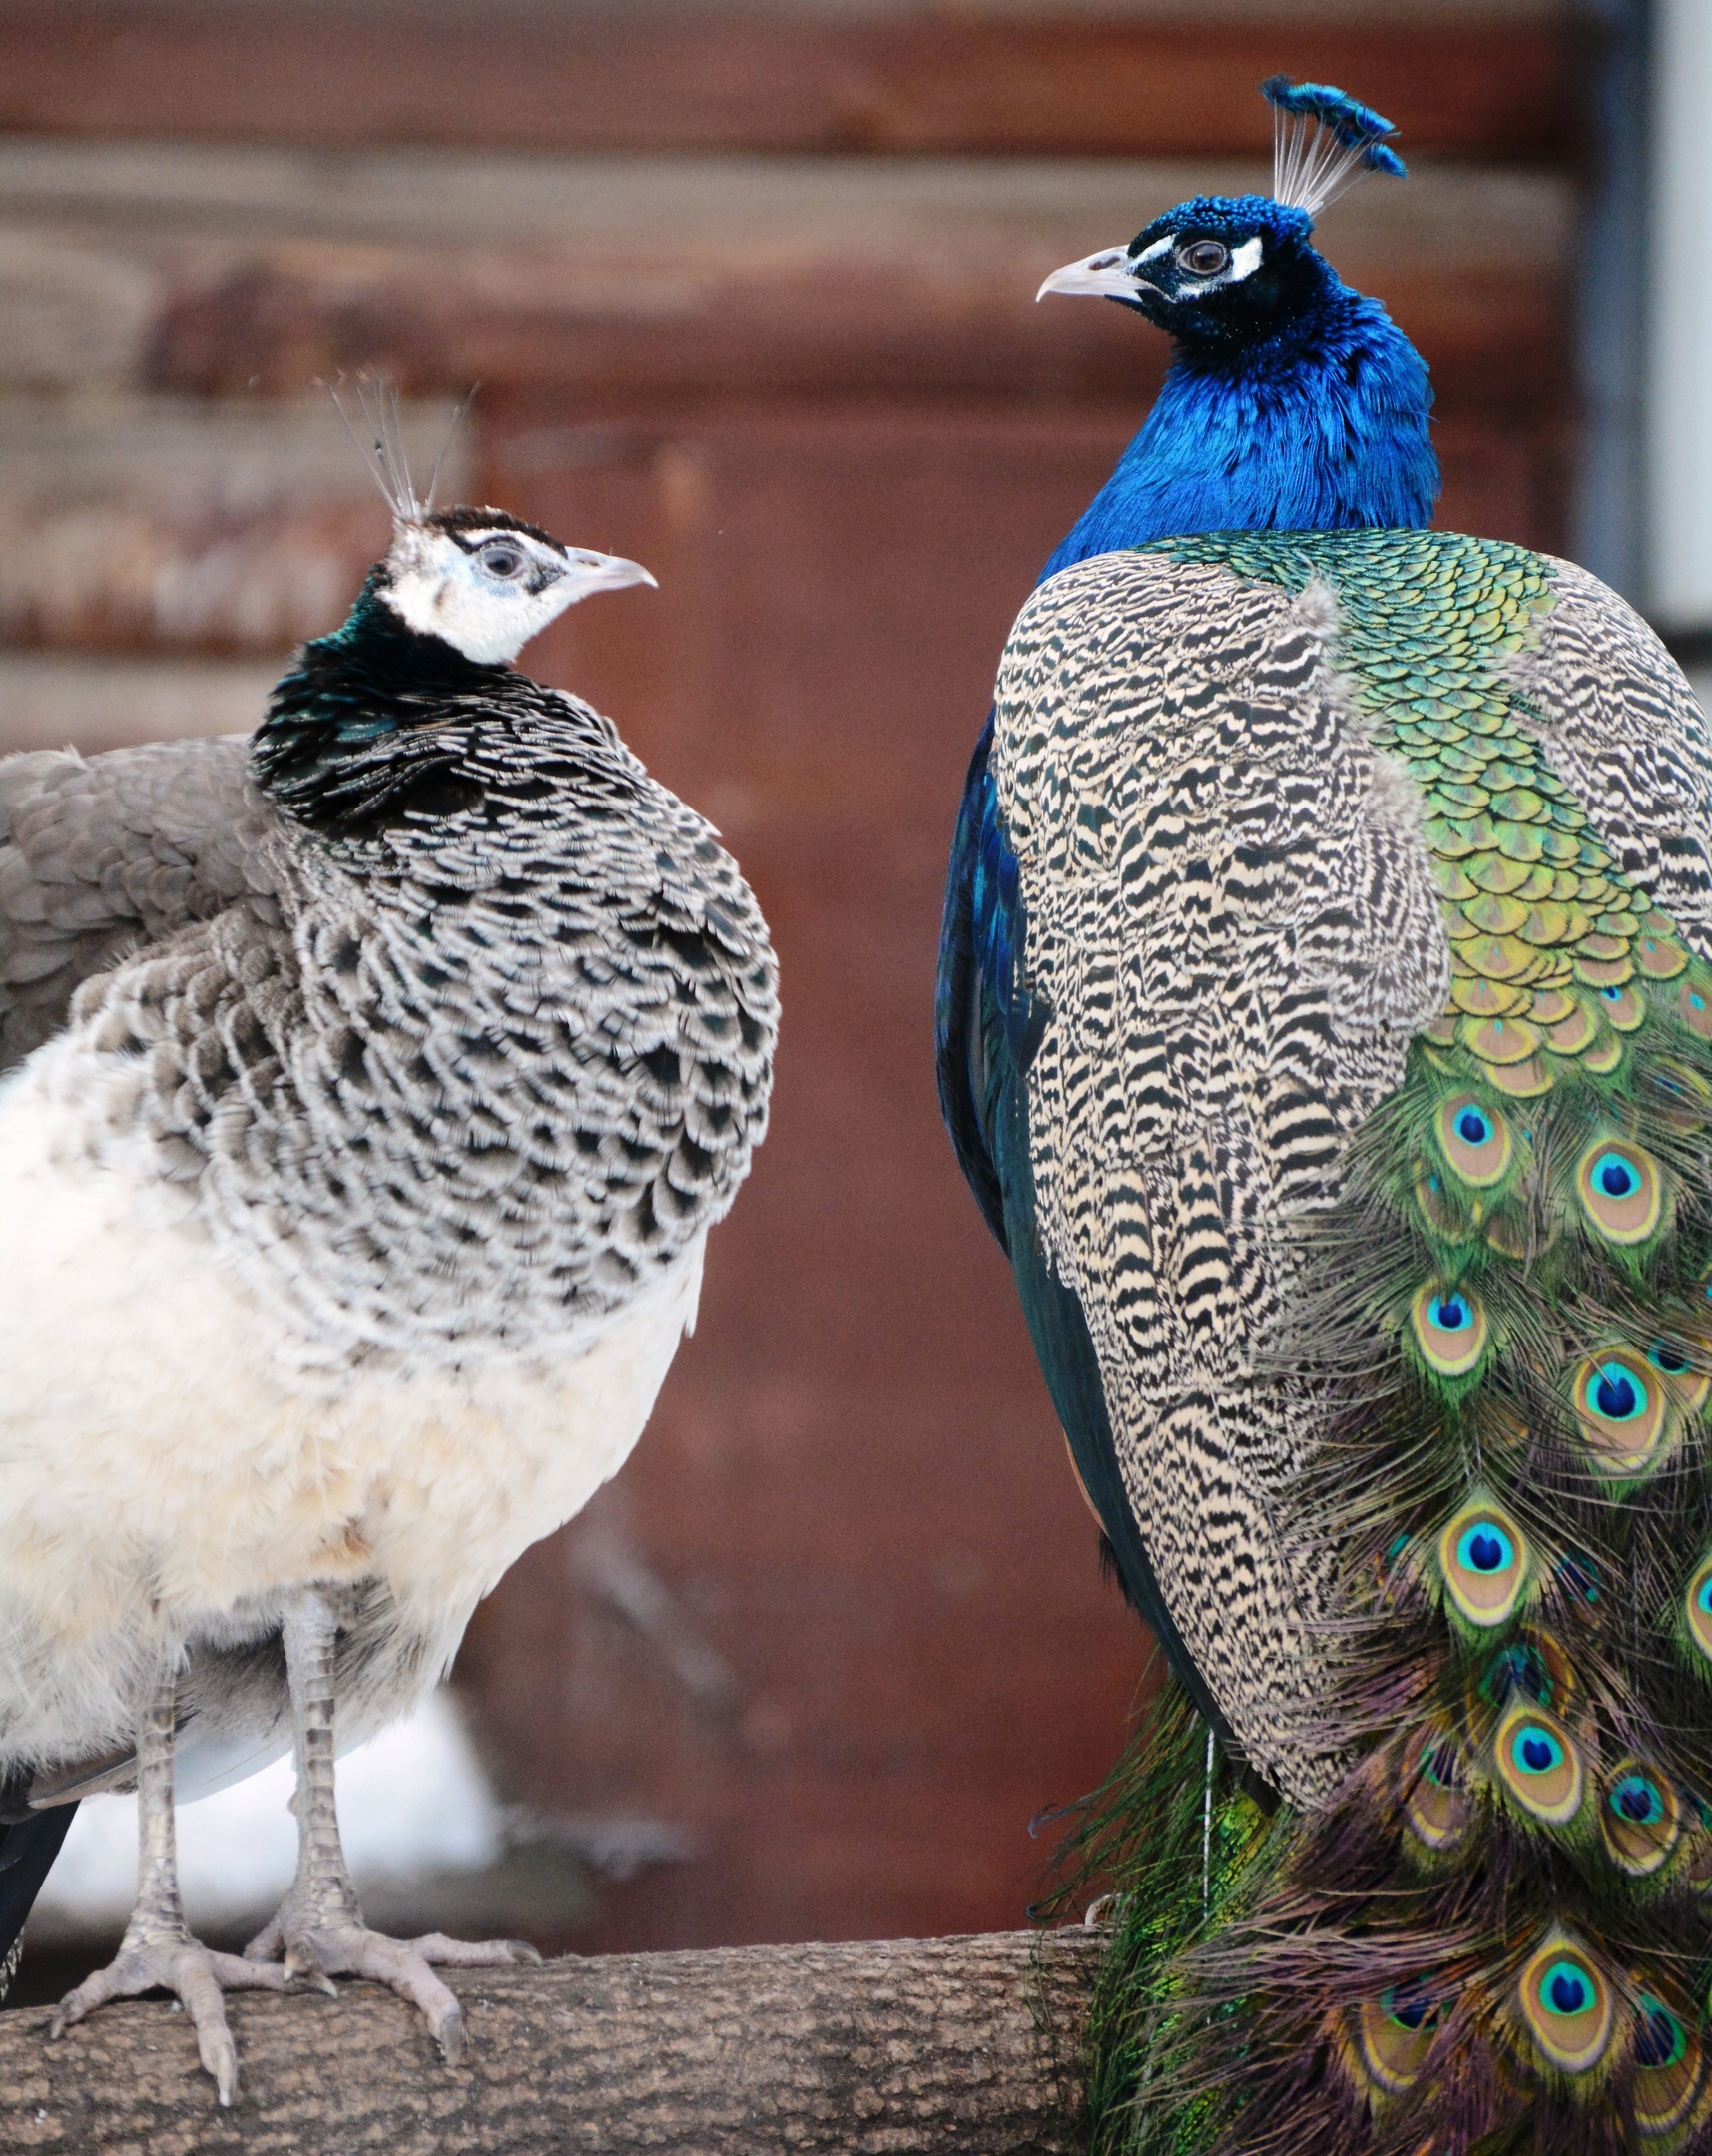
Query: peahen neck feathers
(1321,425)
(349,745)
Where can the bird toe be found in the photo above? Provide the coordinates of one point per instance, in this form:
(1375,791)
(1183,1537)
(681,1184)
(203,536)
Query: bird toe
(196,1976)
(444,1952)
(269,1943)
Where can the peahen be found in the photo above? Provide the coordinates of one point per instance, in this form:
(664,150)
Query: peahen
(1326,1028)
(375,1085)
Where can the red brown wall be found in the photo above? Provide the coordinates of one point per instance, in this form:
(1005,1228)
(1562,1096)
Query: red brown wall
(853,1482)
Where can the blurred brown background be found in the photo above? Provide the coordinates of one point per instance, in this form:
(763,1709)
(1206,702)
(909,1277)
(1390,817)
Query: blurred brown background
(749,292)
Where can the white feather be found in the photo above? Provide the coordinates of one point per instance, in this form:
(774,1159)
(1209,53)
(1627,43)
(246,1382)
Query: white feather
(171,1457)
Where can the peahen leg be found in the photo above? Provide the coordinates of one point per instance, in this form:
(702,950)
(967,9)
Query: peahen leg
(319,1926)
(158,1952)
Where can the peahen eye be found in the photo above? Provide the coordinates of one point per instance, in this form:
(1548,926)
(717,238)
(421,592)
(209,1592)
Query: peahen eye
(501,559)
(1203,257)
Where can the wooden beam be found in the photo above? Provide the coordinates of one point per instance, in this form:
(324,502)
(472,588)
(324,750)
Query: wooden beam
(154,524)
(334,74)
(435,322)
(210,270)
(917,2045)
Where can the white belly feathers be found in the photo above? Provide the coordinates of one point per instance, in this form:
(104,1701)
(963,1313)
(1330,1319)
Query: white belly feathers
(173,1450)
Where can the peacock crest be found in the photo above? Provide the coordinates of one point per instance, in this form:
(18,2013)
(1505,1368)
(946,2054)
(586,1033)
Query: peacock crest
(1323,140)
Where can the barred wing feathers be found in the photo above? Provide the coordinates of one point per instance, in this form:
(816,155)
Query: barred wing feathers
(1231,920)
(1620,726)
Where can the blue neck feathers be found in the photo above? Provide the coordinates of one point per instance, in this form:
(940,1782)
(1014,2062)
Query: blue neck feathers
(1321,426)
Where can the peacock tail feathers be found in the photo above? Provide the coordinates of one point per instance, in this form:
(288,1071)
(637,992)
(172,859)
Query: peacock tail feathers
(1187,1845)
(1485,1923)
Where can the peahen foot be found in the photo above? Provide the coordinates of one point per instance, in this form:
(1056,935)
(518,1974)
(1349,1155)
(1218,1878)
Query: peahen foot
(158,1952)
(184,1965)
(319,1929)
(319,1946)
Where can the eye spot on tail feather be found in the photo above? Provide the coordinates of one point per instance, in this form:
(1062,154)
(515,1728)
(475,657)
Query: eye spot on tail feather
(1434,1789)
(1475,1142)
(1540,1765)
(1483,1561)
(1697,1608)
(1668,2066)
(1398,2032)
(1620,1191)
(1641,1819)
(1622,1416)
(1687,1385)
(1449,1329)
(1566,2005)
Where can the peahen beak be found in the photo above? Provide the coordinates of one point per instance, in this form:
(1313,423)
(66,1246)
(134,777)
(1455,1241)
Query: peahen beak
(1107,275)
(590,572)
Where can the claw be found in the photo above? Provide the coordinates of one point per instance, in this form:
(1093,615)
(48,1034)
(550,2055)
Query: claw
(218,2055)
(304,1973)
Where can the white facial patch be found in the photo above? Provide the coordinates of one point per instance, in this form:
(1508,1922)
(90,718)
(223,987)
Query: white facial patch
(442,586)
(1245,261)
(1115,273)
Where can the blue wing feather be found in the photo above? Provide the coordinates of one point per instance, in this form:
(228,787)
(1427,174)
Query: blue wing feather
(987,1027)
(960,1046)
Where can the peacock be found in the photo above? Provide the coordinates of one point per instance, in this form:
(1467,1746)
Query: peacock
(1324,1027)
(374,1084)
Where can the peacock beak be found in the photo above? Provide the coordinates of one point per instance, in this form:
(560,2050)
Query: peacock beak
(1107,275)
(590,572)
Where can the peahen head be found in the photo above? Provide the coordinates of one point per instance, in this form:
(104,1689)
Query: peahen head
(353,739)
(480,580)
(485,582)
(1293,402)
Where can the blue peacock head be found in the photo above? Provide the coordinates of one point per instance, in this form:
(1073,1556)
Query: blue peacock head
(1224,269)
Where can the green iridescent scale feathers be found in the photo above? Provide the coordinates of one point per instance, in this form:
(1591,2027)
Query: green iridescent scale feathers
(1499,1936)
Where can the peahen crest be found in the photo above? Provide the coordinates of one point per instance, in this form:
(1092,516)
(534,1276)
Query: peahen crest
(377,435)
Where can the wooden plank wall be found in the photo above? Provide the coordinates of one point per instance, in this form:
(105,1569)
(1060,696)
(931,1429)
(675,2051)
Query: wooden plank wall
(749,293)
(1159,81)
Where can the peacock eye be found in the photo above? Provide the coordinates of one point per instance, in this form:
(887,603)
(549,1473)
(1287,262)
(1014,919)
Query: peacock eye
(1203,257)
(501,560)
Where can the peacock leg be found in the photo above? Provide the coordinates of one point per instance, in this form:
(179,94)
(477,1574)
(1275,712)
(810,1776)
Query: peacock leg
(158,1952)
(319,1927)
